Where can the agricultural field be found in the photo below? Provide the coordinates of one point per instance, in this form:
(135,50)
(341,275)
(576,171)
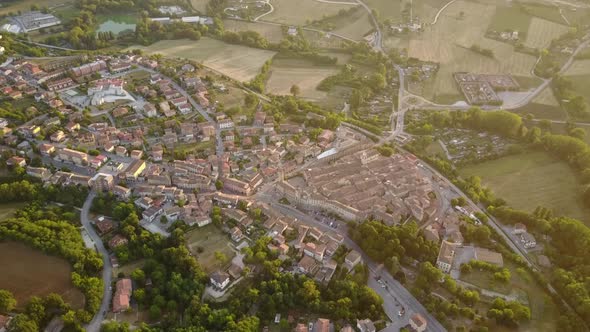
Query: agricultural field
(448,43)
(547,12)
(209,239)
(302,12)
(34,273)
(284,73)
(544,106)
(238,62)
(533,179)
(511,18)
(355,26)
(273,33)
(387,10)
(542,32)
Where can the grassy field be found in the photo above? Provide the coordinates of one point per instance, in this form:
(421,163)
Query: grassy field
(210,239)
(233,97)
(33,273)
(25,5)
(550,13)
(386,9)
(200,5)
(542,32)
(581,84)
(273,33)
(510,18)
(579,67)
(302,12)
(195,147)
(546,97)
(355,26)
(533,179)
(284,73)
(238,62)
(7,210)
(543,310)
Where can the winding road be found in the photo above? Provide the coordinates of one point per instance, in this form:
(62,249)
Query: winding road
(107,271)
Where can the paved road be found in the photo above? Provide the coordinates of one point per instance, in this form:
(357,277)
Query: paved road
(394,297)
(107,272)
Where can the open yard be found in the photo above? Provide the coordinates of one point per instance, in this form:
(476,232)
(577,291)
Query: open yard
(238,62)
(542,32)
(579,67)
(284,73)
(28,272)
(273,33)
(302,12)
(533,179)
(208,239)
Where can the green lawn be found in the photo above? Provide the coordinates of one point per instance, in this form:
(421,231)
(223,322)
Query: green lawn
(533,179)
(195,147)
(210,239)
(7,210)
(581,84)
(511,18)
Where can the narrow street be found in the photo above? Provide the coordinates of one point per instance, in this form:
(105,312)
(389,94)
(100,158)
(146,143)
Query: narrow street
(107,271)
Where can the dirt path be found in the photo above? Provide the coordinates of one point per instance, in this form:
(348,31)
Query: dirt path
(440,11)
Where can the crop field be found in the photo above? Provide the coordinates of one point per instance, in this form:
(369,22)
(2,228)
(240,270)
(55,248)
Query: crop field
(210,239)
(355,27)
(273,33)
(544,106)
(301,12)
(542,32)
(200,5)
(238,62)
(448,43)
(533,179)
(284,73)
(386,9)
(33,273)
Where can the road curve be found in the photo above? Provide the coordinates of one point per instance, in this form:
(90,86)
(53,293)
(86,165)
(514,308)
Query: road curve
(107,271)
(440,12)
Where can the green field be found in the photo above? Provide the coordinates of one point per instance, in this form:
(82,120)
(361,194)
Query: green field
(533,179)
(550,13)
(581,84)
(210,239)
(273,33)
(511,18)
(238,62)
(302,12)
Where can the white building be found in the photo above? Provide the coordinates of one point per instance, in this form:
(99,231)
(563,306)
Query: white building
(220,279)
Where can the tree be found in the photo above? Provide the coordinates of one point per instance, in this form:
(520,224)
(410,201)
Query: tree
(7,301)
(220,257)
(23,323)
(295,90)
